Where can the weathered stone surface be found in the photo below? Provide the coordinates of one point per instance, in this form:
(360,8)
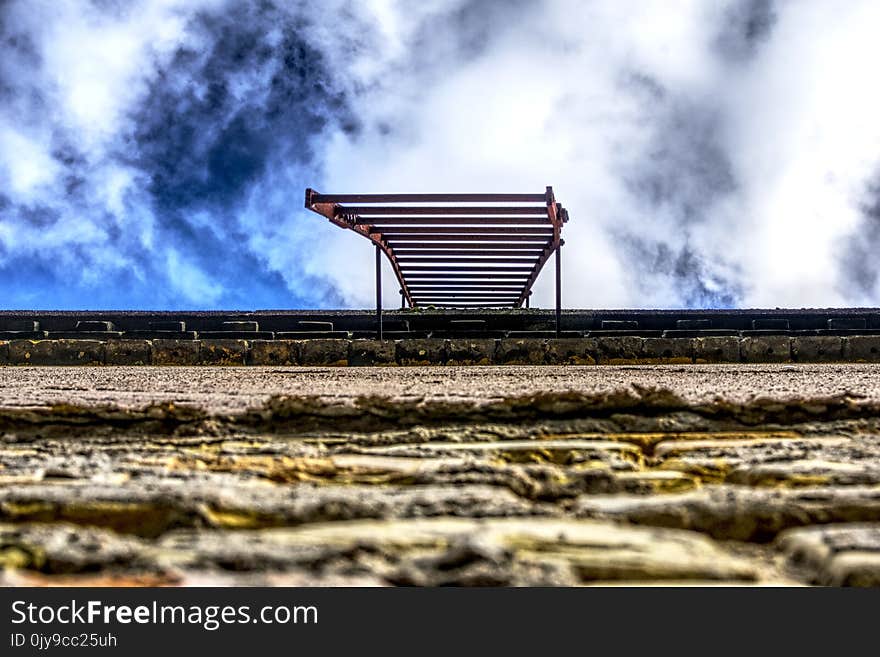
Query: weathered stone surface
(619,350)
(174,352)
(850,385)
(716,349)
(744,448)
(862,348)
(765,349)
(572,351)
(64,548)
(425,552)
(440,475)
(562,452)
(817,349)
(470,352)
(56,352)
(836,555)
(222,502)
(273,352)
(127,352)
(372,352)
(421,352)
(525,351)
(668,350)
(223,352)
(324,352)
(728,512)
(463,551)
(4,352)
(808,472)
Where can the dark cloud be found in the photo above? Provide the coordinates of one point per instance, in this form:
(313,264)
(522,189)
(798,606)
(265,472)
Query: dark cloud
(467,31)
(747,25)
(683,268)
(859,267)
(684,168)
(675,182)
(247,94)
(214,120)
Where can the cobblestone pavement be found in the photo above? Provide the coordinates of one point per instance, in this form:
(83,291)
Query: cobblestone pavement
(691,474)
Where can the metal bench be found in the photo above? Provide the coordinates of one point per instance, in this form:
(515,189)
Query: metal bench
(455,250)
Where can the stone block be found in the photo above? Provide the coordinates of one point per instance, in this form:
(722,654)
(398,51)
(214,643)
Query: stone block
(240,326)
(478,351)
(324,352)
(526,351)
(19,325)
(468,325)
(617,350)
(693,324)
(176,327)
(306,325)
(371,352)
(4,352)
(572,351)
(861,348)
(817,349)
(223,352)
(127,352)
(770,324)
(717,349)
(426,351)
(175,352)
(848,323)
(56,352)
(765,349)
(274,352)
(95,325)
(668,350)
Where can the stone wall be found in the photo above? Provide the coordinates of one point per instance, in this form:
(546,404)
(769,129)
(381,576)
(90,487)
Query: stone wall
(618,350)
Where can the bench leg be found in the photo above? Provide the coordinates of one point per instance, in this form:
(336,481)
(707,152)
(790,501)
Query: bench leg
(379,292)
(558,289)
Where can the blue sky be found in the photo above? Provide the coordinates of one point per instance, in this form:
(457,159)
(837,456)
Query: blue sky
(154,153)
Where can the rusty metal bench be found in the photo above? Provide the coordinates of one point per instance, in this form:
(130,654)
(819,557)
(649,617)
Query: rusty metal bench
(455,250)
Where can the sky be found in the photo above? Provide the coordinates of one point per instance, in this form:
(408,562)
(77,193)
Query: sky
(711,154)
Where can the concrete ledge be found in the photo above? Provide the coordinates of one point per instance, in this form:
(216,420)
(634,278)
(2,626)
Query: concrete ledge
(616,350)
